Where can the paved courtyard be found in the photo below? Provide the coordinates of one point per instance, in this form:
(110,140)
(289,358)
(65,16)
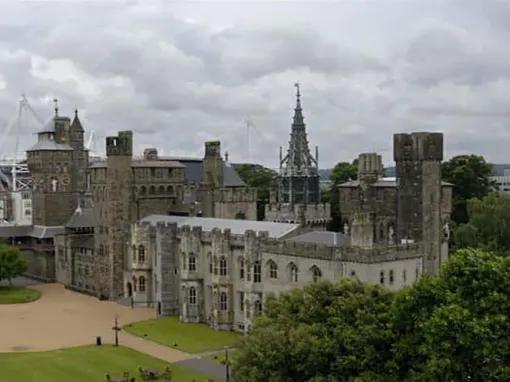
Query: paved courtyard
(62,318)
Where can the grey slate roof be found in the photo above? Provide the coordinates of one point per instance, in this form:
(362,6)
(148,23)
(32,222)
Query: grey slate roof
(237,227)
(382,182)
(46,144)
(82,219)
(39,232)
(323,237)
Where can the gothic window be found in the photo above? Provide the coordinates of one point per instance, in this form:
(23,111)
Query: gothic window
(215,265)
(141,254)
(223,266)
(143,190)
(209,256)
(152,190)
(141,284)
(134,284)
(258,307)
(257,276)
(170,190)
(192,296)
(293,273)
(192,262)
(241,268)
(273,270)
(134,253)
(353,273)
(223,302)
(248,271)
(316,273)
(161,190)
(381,277)
(241,301)
(391,277)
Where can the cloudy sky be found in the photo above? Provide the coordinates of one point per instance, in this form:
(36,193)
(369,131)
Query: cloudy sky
(182,72)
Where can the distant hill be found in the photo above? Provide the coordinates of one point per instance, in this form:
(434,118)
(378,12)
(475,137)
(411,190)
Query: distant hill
(497,170)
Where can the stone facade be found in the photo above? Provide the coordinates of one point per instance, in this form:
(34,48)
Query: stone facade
(222,278)
(297,199)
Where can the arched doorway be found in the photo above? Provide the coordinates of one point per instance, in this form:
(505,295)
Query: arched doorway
(130,289)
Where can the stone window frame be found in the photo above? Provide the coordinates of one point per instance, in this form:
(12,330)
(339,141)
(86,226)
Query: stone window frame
(223,266)
(257,272)
(241,268)
(223,304)
(316,273)
(293,273)
(192,262)
(141,284)
(273,269)
(192,296)
(141,254)
(241,301)
(257,307)
(381,277)
(391,277)
(210,259)
(215,263)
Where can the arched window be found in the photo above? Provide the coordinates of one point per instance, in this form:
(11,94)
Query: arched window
(134,253)
(209,257)
(215,261)
(248,271)
(134,284)
(223,302)
(141,254)
(316,273)
(257,277)
(161,190)
(152,190)
(391,277)
(192,262)
(141,284)
(143,190)
(223,266)
(273,270)
(258,307)
(293,272)
(170,190)
(241,268)
(381,277)
(192,296)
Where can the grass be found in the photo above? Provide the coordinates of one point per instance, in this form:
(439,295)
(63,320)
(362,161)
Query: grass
(84,364)
(191,338)
(219,357)
(18,295)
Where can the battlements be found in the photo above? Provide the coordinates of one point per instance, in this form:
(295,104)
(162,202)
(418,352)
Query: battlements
(213,149)
(370,167)
(420,146)
(121,145)
(150,154)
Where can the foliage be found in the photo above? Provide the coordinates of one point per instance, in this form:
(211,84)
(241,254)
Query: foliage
(11,263)
(456,326)
(260,177)
(451,327)
(341,173)
(318,334)
(84,364)
(489,224)
(18,295)
(469,175)
(191,338)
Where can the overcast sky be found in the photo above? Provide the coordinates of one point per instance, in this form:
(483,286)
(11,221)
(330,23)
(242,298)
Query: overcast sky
(178,73)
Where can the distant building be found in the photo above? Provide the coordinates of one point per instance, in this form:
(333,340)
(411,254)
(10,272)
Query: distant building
(502,182)
(298,198)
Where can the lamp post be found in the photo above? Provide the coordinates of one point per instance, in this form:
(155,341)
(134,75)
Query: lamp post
(117,329)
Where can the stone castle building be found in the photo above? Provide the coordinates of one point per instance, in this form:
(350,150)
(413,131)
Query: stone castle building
(297,199)
(220,271)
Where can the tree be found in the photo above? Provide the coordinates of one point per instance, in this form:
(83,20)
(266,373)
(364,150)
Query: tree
(260,177)
(324,332)
(488,226)
(455,327)
(469,175)
(341,173)
(11,263)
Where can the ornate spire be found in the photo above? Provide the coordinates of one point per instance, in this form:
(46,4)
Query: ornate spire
(76,125)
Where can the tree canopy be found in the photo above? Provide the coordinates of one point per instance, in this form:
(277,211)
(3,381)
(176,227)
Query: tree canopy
(470,177)
(341,173)
(452,327)
(11,263)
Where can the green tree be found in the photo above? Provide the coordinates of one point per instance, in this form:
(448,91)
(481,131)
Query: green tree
(260,177)
(488,226)
(455,327)
(341,173)
(324,332)
(11,263)
(469,175)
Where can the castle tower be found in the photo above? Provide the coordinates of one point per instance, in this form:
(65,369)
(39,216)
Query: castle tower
(298,197)
(114,216)
(58,172)
(370,168)
(418,159)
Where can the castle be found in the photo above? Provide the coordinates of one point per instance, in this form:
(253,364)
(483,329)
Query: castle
(180,234)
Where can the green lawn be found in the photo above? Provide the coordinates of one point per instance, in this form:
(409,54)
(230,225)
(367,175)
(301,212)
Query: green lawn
(18,295)
(83,364)
(191,338)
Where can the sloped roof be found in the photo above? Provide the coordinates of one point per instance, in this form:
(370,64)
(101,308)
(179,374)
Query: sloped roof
(323,237)
(237,227)
(83,218)
(50,145)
